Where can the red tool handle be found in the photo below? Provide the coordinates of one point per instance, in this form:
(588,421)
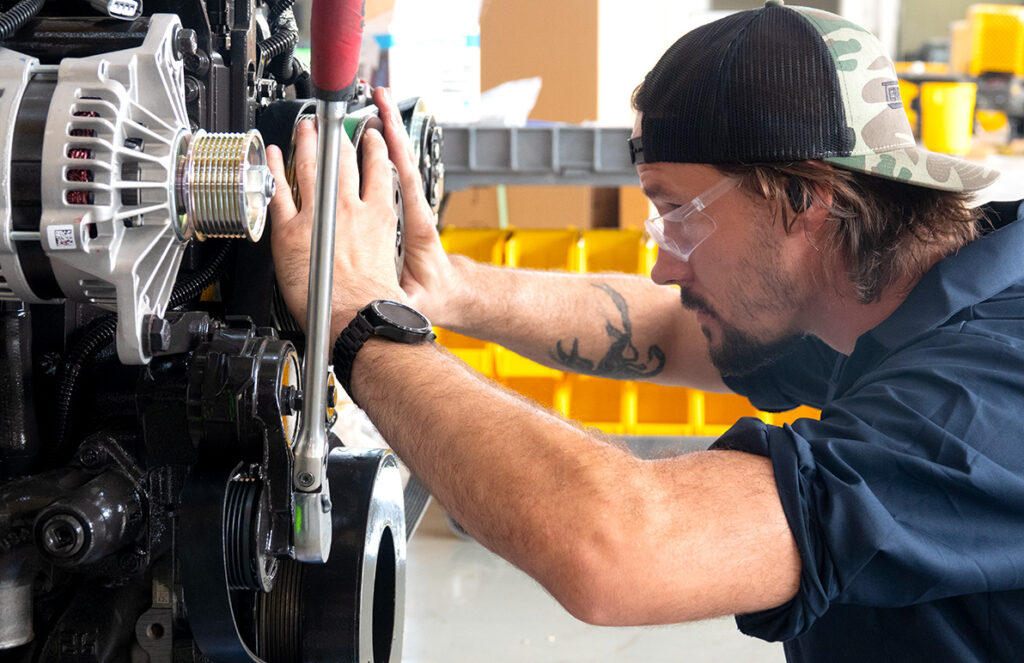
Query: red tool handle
(336,33)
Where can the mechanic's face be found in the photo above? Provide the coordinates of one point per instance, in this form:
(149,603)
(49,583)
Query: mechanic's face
(748,281)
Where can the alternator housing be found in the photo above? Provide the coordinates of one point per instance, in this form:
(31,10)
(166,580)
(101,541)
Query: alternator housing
(102,183)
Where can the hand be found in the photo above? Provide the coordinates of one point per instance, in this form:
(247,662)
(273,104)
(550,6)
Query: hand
(428,278)
(365,226)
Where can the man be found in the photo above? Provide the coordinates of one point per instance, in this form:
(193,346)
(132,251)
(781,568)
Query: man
(809,253)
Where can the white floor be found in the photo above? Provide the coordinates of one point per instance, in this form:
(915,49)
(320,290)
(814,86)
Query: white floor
(465,604)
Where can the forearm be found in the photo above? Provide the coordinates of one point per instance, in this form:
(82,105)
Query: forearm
(575,512)
(611,325)
(506,469)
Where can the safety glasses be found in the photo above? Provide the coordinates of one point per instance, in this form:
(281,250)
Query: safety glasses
(686,227)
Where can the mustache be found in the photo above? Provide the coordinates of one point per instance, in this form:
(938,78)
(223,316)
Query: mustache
(694,302)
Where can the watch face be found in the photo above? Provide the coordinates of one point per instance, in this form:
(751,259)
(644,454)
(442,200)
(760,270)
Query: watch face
(401,315)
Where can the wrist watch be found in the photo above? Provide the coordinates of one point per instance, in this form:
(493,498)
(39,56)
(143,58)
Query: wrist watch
(384,318)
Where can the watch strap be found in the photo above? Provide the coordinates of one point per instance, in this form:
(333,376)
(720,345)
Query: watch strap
(349,342)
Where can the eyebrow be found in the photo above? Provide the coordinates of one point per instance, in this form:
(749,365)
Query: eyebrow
(655,191)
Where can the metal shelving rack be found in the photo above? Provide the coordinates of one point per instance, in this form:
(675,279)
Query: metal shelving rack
(554,155)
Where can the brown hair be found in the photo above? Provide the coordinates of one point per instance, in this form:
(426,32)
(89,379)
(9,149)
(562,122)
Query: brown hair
(883,231)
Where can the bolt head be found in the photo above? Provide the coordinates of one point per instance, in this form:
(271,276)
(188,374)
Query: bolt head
(197,63)
(90,456)
(191,89)
(186,42)
(305,479)
(159,334)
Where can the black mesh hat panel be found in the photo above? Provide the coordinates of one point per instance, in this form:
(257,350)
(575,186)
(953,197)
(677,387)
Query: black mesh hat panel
(756,86)
(782,84)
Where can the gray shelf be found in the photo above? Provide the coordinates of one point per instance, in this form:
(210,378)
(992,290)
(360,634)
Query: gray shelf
(556,155)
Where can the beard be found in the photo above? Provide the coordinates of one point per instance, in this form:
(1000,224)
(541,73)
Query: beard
(738,352)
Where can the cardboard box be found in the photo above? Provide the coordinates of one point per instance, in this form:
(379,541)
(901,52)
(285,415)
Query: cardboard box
(534,207)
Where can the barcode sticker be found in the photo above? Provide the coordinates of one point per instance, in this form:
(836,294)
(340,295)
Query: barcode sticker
(61,237)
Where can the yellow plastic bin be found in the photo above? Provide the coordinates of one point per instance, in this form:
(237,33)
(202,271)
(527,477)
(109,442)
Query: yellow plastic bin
(602,403)
(997,39)
(544,249)
(721,411)
(613,250)
(662,410)
(947,116)
(480,244)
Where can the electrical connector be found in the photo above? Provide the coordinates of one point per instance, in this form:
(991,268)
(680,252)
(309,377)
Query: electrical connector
(123,9)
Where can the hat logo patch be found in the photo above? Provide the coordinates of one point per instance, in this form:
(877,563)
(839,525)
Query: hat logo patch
(892,94)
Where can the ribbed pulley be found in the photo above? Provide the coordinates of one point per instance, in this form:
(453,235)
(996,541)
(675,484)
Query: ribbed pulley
(225,185)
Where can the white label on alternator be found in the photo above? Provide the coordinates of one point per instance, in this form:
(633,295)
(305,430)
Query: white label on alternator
(61,237)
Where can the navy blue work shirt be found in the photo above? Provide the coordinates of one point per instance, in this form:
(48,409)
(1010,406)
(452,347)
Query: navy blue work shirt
(906,500)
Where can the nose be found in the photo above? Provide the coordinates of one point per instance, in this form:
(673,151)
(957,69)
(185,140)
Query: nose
(669,269)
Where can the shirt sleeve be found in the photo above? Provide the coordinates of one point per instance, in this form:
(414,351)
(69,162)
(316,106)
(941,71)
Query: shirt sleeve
(800,377)
(910,489)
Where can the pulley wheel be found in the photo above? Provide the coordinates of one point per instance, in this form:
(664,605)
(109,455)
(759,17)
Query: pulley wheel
(353,607)
(214,508)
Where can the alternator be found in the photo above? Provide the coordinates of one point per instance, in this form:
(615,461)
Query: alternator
(102,183)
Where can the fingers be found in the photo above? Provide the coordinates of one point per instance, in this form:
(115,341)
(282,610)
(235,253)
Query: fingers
(348,170)
(282,207)
(394,128)
(400,148)
(376,167)
(305,160)
(305,164)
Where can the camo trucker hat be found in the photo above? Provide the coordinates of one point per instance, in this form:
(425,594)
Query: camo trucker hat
(781,84)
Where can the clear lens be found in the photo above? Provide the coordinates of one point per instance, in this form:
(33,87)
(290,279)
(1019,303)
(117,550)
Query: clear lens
(685,228)
(680,237)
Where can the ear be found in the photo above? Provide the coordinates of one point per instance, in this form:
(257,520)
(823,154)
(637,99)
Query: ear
(812,218)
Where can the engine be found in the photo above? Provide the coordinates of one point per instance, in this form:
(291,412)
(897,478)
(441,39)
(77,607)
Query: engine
(153,387)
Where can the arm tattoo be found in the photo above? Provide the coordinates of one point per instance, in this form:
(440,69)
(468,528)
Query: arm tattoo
(621,360)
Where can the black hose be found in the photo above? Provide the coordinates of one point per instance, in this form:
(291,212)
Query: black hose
(287,69)
(186,291)
(96,336)
(277,9)
(15,17)
(303,81)
(100,333)
(278,50)
(278,43)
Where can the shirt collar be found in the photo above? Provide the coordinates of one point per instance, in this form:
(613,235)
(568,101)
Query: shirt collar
(978,271)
